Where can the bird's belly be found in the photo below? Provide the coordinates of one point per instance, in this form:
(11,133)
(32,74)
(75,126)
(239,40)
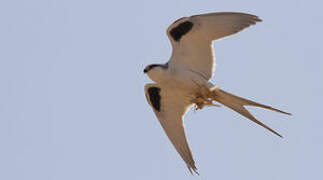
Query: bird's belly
(187,82)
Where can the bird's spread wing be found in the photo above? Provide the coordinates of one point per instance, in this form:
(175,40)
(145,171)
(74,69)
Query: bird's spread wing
(170,108)
(191,38)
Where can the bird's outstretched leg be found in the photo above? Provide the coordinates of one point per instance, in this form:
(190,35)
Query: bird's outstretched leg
(209,102)
(201,101)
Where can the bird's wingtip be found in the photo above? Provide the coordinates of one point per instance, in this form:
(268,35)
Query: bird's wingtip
(191,169)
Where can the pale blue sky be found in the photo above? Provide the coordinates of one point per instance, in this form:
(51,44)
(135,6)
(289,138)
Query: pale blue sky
(72,104)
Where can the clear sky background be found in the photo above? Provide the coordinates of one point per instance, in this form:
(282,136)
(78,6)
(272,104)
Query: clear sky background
(72,104)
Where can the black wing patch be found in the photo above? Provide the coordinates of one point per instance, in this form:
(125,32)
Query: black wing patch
(180,30)
(154,97)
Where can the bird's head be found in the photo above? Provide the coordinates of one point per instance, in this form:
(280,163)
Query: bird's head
(156,71)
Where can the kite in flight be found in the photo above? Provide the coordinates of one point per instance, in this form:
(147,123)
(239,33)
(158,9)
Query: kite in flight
(184,80)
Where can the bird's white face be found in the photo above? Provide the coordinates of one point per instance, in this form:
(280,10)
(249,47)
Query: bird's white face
(155,72)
